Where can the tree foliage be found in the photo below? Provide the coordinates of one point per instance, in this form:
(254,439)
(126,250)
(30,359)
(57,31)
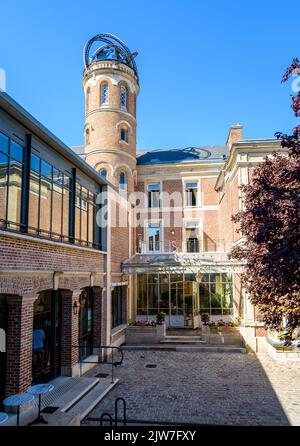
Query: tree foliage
(270,223)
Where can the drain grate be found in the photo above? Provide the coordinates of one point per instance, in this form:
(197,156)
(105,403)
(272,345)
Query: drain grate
(49,409)
(102,375)
(151,366)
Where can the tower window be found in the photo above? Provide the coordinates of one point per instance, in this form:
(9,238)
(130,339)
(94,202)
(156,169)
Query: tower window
(124,135)
(122,180)
(87,136)
(104,93)
(88,91)
(123,98)
(103,173)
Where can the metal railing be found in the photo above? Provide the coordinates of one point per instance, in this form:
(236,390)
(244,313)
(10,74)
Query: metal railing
(103,356)
(206,245)
(107,417)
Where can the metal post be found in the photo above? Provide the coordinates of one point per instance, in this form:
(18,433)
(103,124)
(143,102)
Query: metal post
(112,365)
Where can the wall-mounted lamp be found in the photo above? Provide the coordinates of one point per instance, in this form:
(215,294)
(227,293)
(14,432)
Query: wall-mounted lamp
(199,276)
(76,306)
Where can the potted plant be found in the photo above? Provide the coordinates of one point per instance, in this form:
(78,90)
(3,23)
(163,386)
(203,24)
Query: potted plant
(160,318)
(205,318)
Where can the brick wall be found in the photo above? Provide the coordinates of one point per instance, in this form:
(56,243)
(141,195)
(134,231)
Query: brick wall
(19,345)
(17,253)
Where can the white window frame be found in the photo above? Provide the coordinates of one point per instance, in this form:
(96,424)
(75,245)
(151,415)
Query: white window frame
(185,182)
(149,191)
(161,239)
(195,223)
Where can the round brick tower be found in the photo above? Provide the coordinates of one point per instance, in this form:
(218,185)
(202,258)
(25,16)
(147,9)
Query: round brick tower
(111,85)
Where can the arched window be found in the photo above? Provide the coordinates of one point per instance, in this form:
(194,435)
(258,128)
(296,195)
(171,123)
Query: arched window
(123,97)
(87,104)
(103,173)
(104,93)
(122,180)
(87,136)
(124,135)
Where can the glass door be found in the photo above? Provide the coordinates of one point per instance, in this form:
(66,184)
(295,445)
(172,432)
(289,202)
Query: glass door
(176,300)
(3,331)
(46,342)
(86,323)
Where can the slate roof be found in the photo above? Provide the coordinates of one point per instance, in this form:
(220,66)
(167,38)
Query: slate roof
(186,155)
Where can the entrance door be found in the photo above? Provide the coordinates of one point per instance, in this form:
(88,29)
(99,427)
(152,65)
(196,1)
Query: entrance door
(46,346)
(86,323)
(176,301)
(3,331)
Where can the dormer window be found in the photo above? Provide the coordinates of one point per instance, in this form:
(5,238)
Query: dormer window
(104,93)
(124,135)
(123,98)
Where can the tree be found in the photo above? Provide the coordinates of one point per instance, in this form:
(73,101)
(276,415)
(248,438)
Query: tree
(270,223)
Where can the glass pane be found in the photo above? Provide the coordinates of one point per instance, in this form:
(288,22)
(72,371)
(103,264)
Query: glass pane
(84,224)
(4,142)
(77,224)
(78,212)
(227,295)
(57,176)
(176,298)
(204,295)
(91,218)
(66,205)
(153,187)
(142,278)
(45,205)
(215,296)
(34,186)
(164,297)
(153,297)
(3,186)
(46,169)
(142,297)
(14,192)
(205,277)
(16,151)
(35,163)
(56,210)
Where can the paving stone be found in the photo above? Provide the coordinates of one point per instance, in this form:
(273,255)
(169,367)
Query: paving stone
(205,388)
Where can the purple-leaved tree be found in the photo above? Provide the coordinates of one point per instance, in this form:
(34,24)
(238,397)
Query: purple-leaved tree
(270,223)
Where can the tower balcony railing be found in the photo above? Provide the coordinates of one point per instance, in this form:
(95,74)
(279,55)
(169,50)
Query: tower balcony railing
(188,246)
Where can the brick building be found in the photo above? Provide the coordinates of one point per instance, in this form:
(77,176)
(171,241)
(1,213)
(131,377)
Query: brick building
(68,279)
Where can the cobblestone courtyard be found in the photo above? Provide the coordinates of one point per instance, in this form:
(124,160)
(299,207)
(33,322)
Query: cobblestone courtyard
(205,388)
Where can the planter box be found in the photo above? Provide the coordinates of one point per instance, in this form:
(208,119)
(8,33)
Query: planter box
(136,335)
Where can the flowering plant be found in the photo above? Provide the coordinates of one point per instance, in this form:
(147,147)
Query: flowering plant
(142,323)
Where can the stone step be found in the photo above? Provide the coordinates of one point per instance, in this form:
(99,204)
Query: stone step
(203,348)
(86,404)
(182,341)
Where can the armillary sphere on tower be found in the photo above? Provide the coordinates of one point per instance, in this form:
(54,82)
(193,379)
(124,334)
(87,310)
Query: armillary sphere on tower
(112,49)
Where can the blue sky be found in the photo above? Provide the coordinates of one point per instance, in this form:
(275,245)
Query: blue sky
(203,65)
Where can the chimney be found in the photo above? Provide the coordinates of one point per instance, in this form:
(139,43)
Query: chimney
(235,134)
